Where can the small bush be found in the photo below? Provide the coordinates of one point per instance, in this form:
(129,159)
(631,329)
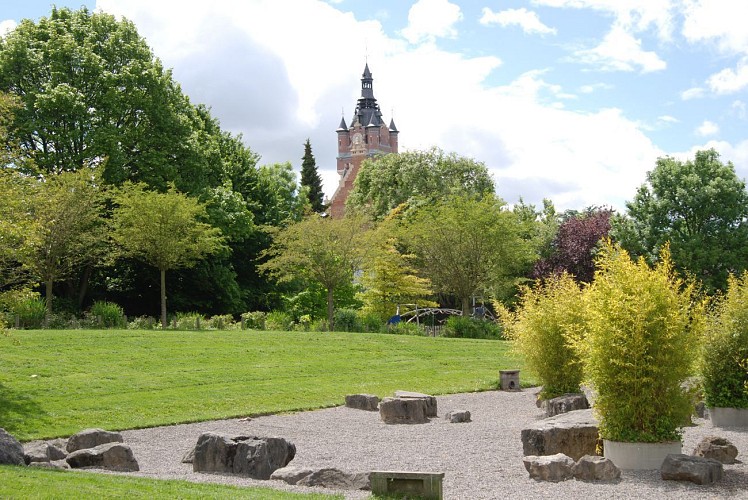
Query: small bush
(189,321)
(29,311)
(320,325)
(346,320)
(143,323)
(107,315)
(403,328)
(370,322)
(724,360)
(304,324)
(279,320)
(470,328)
(220,322)
(254,320)
(547,329)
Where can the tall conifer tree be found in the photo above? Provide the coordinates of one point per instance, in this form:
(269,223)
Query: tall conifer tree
(310,178)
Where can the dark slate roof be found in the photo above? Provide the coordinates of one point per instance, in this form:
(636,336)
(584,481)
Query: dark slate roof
(393,128)
(342,127)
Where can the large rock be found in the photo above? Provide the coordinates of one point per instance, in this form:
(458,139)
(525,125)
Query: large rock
(326,478)
(258,458)
(11,451)
(555,468)
(403,411)
(42,451)
(430,400)
(291,474)
(90,438)
(565,404)
(367,402)
(698,470)
(110,456)
(188,457)
(251,456)
(573,434)
(720,449)
(594,468)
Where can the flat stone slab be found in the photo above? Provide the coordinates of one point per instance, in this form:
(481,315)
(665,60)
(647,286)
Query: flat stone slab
(573,434)
(697,470)
(90,438)
(430,400)
(400,483)
(403,411)
(368,402)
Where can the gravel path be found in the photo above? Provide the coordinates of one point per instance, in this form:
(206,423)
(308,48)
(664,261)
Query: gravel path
(481,459)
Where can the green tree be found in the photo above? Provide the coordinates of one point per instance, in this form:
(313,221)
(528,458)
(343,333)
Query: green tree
(311,180)
(469,246)
(416,178)
(165,230)
(68,229)
(389,280)
(320,250)
(700,207)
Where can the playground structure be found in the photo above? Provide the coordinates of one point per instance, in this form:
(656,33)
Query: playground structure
(433,318)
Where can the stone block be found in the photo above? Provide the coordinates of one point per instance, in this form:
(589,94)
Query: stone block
(573,434)
(509,380)
(430,400)
(549,467)
(427,485)
(403,411)
(565,404)
(697,470)
(368,402)
(458,416)
(594,468)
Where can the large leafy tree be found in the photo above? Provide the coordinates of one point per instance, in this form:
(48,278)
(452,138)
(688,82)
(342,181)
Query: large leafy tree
(469,246)
(320,250)
(92,92)
(311,180)
(68,229)
(164,230)
(416,178)
(701,207)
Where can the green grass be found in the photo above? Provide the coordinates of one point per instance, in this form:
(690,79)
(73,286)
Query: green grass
(56,382)
(31,482)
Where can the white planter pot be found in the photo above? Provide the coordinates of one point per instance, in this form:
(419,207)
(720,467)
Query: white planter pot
(729,417)
(639,456)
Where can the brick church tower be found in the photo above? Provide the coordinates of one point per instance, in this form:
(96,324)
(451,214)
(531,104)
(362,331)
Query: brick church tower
(367,136)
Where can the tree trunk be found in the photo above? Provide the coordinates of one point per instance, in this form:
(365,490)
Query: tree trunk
(83,286)
(48,300)
(163,298)
(466,307)
(330,309)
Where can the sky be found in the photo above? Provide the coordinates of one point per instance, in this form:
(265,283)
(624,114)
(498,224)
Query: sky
(570,100)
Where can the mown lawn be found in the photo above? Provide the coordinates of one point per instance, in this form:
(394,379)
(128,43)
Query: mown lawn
(56,382)
(31,482)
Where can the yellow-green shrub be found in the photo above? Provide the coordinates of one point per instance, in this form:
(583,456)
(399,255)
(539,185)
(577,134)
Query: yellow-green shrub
(724,363)
(641,346)
(548,323)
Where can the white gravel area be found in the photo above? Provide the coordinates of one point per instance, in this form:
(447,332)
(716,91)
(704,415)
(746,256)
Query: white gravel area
(481,459)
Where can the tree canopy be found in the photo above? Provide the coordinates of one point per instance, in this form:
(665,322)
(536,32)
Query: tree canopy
(311,180)
(416,178)
(701,207)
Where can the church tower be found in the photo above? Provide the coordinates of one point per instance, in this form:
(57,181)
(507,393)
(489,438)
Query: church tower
(367,136)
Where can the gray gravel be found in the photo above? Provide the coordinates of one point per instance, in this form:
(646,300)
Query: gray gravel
(481,459)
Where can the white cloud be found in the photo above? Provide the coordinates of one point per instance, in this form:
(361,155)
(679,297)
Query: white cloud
(430,19)
(719,21)
(668,119)
(525,19)
(729,81)
(692,93)
(621,51)
(707,128)
(736,154)
(739,108)
(7,26)
(594,87)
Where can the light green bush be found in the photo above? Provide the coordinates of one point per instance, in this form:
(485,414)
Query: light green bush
(189,321)
(142,323)
(28,311)
(254,320)
(279,320)
(641,346)
(105,314)
(403,328)
(470,328)
(547,329)
(221,322)
(724,362)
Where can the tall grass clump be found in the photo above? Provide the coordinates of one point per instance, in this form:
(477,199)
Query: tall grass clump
(28,312)
(641,346)
(107,315)
(724,361)
(547,330)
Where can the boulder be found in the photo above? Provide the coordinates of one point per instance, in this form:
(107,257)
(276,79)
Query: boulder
(701,410)
(367,402)
(430,400)
(90,438)
(55,464)
(573,434)
(110,456)
(457,416)
(290,474)
(337,479)
(699,470)
(11,451)
(565,404)
(594,468)
(188,457)
(258,458)
(251,456)
(403,411)
(549,467)
(720,449)
(42,451)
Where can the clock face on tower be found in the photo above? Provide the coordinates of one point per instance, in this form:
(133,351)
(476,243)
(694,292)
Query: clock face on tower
(357,139)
